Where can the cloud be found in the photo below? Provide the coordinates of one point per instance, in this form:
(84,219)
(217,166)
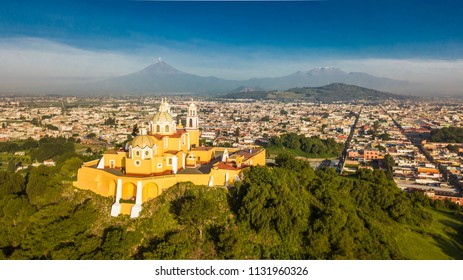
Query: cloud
(29,64)
(433,74)
(414,69)
(35,58)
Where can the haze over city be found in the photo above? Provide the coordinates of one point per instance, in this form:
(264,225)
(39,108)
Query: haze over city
(55,44)
(231,130)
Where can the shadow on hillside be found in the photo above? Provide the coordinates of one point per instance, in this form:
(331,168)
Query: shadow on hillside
(152,245)
(452,243)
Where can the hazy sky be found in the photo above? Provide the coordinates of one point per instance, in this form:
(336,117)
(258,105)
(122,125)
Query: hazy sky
(44,43)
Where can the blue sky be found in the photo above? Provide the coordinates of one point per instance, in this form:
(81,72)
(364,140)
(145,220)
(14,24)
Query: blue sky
(346,26)
(231,39)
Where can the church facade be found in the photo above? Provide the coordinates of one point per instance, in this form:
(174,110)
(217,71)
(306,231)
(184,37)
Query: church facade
(163,155)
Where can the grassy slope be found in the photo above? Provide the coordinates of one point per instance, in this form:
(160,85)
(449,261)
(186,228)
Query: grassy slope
(442,240)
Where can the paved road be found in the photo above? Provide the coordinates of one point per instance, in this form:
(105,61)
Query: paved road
(347,144)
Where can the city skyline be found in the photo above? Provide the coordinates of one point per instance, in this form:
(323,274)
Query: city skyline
(63,42)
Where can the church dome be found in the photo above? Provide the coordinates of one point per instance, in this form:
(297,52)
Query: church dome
(143,141)
(162,122)
(163,117)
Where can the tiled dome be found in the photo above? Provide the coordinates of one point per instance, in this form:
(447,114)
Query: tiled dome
(143,141)
(162,117)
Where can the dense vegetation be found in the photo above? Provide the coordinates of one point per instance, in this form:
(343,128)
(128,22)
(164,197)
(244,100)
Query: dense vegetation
(304,146)
(285,212)
(58,148)
(21,146)
(46,148)
(447,134)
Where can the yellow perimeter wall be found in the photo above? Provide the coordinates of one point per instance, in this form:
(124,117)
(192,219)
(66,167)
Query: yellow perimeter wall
(104,183)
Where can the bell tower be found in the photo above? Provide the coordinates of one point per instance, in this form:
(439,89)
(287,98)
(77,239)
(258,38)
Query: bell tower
(192,117)
(192,125)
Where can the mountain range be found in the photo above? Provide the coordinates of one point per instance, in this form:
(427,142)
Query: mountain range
(162,78)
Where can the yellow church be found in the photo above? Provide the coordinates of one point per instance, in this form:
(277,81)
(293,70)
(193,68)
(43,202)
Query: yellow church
(163,155)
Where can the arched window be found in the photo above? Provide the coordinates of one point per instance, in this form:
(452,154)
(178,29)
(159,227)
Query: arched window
(191,123)
(158,128)
(167,128)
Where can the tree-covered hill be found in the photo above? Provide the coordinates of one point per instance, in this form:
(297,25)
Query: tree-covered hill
(330,93)
(285,212)
(299,145)
(447,134)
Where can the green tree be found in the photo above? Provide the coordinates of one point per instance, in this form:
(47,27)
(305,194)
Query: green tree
(237,134)
(36,122)
(447,134)
(70,167)
(389,166)
(312,146)
(41,187)
(110,121)
(11,166)
(197,211)
(275,205)
(385,137)
(135,130)
(453,148)
(49,147)
(11,183)
(276,141)
(15,213)
(30,144)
